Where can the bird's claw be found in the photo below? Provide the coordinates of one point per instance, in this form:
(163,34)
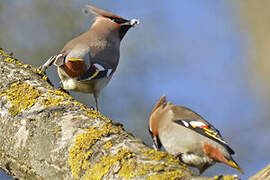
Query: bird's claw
(63,90)
(47,64)
(154,146)
(117,123)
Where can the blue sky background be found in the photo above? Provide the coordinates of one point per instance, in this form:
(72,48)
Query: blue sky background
(194,51)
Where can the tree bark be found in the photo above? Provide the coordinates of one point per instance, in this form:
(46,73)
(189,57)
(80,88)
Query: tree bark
(262,175)
(45,134)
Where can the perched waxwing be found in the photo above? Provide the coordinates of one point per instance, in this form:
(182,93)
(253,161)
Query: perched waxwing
(87,62)
(186,135)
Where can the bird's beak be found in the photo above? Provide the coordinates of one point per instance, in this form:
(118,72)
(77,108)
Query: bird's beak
(132,22)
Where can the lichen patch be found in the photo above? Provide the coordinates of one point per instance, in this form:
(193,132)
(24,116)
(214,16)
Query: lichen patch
(78,153)
(108,145)
(152,154)
(100,169)
(128,169)
(21,96)
(168,175)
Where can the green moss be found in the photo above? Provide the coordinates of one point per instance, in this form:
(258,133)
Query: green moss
(22,96)
(78,154)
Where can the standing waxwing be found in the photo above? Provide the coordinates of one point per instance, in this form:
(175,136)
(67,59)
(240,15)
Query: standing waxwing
(87,62)
(186,135)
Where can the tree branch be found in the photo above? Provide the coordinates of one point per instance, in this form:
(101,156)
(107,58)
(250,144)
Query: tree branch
(262,175)
(45,134)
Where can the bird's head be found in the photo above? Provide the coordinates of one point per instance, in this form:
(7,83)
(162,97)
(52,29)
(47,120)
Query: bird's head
(111,20)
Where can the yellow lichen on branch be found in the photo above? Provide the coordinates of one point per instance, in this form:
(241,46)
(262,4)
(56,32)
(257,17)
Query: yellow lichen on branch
(21,96)
(128,169)
(97,171)
(78,154)
(108,145)
(10,59)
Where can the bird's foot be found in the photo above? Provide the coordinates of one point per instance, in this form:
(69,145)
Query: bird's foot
(47,64)
(154,147)
(117,123)
(178,155)
(92,108)
(63,90)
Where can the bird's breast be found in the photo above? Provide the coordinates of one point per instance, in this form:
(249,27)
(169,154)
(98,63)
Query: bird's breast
(73,84)
(195,160)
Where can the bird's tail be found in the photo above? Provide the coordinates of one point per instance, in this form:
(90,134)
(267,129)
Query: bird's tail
(233,164)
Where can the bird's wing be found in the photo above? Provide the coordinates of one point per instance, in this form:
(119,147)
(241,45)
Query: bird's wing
(61,59)
(79,52)
(204,129)
(96,71)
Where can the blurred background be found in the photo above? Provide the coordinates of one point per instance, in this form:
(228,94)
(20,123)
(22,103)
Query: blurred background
(210,56)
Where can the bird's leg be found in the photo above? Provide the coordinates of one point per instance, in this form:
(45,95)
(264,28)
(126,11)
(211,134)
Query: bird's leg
(96,100)
(179,156)
(47,64)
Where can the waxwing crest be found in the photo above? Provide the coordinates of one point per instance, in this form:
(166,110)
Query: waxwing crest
(161,101)
(104,13)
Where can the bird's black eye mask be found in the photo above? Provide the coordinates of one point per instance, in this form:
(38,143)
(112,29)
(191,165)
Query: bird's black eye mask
(117,20)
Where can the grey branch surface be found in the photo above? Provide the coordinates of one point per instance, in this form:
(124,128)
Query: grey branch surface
(262,175)
(45,134)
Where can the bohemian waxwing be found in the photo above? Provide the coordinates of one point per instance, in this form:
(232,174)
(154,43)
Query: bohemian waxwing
(186,135)
(87,62)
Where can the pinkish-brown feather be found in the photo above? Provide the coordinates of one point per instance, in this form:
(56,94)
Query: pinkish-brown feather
(103,13)
(155,116)
(214,153)
(75,69)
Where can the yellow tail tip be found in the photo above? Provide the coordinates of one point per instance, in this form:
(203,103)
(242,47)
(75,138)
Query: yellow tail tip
(234,165)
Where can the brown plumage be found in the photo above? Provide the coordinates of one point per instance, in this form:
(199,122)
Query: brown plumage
(186,135)
(87,62)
